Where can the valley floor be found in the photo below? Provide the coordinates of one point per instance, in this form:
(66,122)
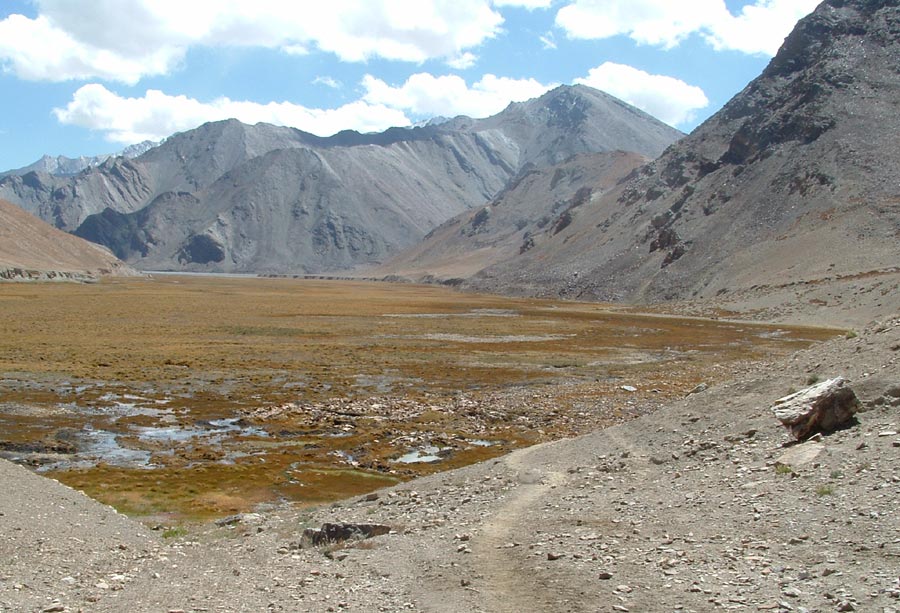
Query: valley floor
(680,510)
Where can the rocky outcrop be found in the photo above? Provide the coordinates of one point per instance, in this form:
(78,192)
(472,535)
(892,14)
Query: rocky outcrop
(823,407)
(236,198)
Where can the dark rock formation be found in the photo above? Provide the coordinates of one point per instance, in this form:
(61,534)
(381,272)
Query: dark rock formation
(336,533)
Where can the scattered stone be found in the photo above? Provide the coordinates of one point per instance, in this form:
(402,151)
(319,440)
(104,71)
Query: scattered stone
(700,388)
(553,556)
(228,521)
(335,533)
(605,575)
(823,407)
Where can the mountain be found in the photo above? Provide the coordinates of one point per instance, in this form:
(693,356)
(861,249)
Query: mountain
(539,202)
(63,166)
(237,198)
(790,191)
(33,249)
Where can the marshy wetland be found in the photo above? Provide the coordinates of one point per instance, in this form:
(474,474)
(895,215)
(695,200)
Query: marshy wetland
(182,398)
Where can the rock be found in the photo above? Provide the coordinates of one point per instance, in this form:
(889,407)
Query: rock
(629,388)
(823,407)
(800,454)
(605,575)
(334,533)
(700,388)
(553,556)
(228,521)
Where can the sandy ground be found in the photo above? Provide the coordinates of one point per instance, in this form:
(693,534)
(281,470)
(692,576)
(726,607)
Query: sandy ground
(680,510)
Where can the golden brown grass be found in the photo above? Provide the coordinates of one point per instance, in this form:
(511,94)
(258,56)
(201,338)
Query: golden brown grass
(222,347)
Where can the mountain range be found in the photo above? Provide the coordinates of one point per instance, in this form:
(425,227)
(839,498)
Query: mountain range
(230,197)
(62,166)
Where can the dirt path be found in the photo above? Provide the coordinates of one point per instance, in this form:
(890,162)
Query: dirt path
(508,586)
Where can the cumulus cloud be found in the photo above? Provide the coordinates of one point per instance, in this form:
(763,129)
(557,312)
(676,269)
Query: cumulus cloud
(666,98)
(35,49)
(126,41)
(424,94)
(157,115)
(759,28)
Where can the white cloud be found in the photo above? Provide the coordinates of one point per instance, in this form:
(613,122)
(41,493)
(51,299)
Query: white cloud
(125,41)
(157,115)
(548,42)
(760,28)
(424,94)
(466,60)
(666,98)
(34,49)
(327,81)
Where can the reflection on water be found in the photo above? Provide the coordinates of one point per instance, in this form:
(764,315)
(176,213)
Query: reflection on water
(134,446)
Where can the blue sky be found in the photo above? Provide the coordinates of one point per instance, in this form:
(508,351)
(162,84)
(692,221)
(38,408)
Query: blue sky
(83,78)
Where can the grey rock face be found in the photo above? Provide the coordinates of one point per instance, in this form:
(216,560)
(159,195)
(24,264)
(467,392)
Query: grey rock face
(236,198)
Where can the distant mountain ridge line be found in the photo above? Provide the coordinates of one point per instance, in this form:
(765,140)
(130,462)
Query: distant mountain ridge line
(63,166)
(230,197)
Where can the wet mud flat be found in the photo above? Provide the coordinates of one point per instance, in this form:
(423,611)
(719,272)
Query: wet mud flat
(185,398)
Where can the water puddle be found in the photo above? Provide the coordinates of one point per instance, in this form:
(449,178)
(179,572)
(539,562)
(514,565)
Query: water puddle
(424,455)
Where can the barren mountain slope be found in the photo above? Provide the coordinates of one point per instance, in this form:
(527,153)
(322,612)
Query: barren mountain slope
(539,202)
(30,248)
(232,197)
(793,186)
